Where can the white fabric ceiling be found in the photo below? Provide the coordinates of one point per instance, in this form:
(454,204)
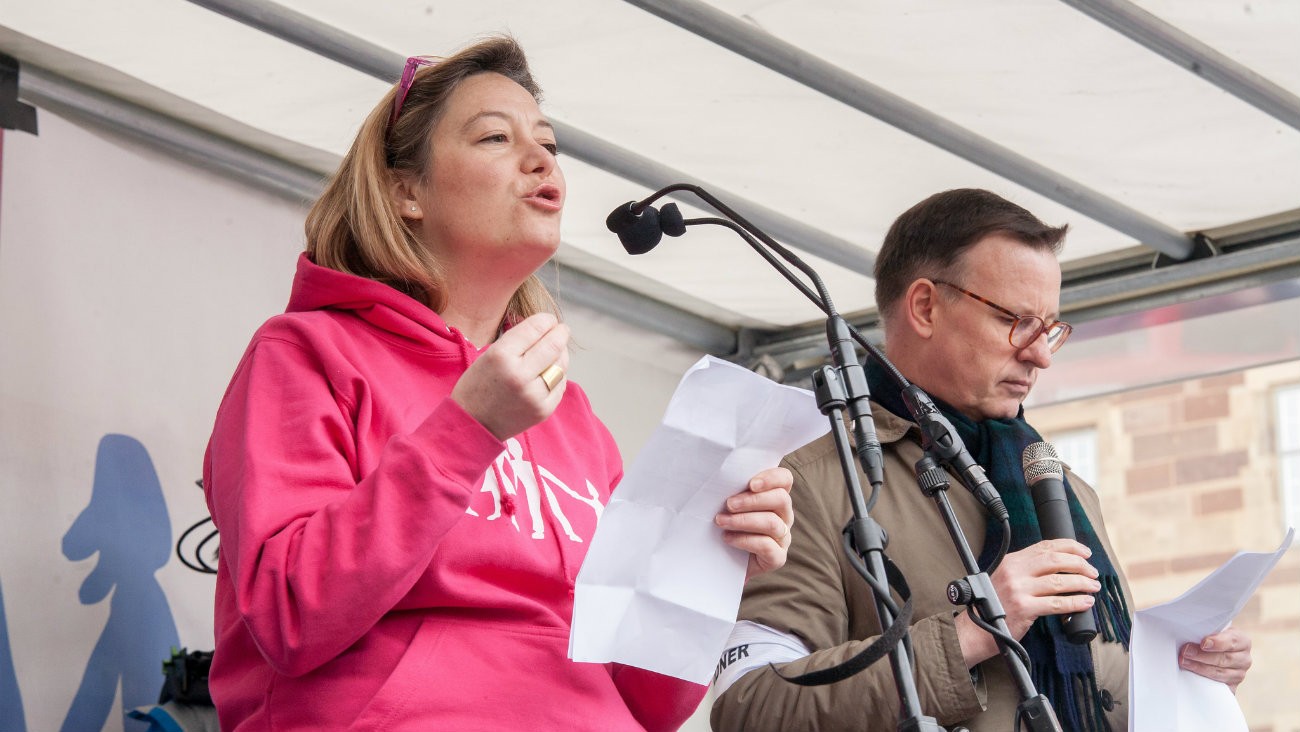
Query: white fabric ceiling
(1039,78)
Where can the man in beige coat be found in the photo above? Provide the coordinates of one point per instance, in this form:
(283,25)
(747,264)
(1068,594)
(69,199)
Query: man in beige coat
(968,287)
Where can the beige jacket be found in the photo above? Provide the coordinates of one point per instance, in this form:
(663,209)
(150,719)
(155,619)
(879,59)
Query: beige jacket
(820,598)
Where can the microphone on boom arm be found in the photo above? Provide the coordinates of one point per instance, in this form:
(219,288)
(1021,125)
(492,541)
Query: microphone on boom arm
(640,227)
(841,391)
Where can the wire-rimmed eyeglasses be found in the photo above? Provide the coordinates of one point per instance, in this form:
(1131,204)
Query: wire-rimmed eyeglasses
(1025,329)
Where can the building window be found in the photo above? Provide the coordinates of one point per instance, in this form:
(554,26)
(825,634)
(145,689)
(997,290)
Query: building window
(1288,451)
(1078,449)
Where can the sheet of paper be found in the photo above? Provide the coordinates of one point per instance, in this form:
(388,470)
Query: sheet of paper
(1165,698)
(659,589)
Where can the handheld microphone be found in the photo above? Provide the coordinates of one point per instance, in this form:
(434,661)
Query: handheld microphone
(1046,478)
(640,231)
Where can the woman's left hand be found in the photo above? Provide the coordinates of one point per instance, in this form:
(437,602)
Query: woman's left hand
(1222,656)
(758,520)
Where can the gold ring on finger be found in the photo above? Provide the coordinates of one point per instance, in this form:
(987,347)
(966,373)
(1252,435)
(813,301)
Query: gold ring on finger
(551,375)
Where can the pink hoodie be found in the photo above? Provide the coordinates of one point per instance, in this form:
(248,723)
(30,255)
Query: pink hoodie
(386,563)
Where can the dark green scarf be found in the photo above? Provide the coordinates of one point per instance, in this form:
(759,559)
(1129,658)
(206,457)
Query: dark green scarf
(1062,671)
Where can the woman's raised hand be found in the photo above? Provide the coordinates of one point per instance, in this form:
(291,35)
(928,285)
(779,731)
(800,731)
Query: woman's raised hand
(511,387)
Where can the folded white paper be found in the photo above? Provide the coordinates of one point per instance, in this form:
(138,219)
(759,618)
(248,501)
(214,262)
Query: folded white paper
(659,589)
(1163,697)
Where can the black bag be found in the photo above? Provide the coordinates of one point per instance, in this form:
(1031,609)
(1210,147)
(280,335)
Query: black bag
(186,678)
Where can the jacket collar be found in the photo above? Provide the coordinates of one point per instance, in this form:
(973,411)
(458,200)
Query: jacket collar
(891,428)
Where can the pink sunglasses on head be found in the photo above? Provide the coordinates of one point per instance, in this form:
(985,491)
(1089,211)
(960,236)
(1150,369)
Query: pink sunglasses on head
(408,75)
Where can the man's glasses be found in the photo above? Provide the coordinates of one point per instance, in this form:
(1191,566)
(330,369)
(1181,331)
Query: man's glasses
(408,75)
(1025,329)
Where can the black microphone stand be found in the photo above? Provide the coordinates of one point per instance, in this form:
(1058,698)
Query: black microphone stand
(839,388)
(976,592)
(843,387)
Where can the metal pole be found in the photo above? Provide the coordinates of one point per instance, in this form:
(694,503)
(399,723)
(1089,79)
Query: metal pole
(368,58)
(301,185)
(1200,59)
(791,61)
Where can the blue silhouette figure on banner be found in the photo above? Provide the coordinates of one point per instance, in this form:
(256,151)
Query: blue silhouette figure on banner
(11,702)
(127,523)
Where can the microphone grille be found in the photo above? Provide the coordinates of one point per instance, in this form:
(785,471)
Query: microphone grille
(1041,461)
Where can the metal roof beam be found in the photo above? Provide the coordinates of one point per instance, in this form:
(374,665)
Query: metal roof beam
(368,58)
(812,71)
(55,93)
(1200,59)
(574,285)
(300,185)
(1273,259)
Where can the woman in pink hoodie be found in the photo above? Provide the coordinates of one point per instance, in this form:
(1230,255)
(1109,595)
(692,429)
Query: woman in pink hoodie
(404,480)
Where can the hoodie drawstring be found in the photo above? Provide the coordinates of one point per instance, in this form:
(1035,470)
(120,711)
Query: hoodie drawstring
(507,500)
(550,520)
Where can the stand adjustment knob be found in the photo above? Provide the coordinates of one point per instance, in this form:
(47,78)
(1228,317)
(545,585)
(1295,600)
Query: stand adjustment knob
(959,592)
(931,478)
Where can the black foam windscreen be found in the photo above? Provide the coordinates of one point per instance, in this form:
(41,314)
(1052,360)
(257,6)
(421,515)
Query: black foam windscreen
(671,221)
(639,233)
(621,219)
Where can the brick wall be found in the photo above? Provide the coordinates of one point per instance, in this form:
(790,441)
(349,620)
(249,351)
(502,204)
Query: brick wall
(1188,476)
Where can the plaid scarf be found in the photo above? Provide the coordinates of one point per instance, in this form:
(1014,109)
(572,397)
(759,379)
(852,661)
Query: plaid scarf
(1062,671)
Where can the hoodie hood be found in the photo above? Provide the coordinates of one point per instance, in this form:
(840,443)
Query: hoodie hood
(321,288)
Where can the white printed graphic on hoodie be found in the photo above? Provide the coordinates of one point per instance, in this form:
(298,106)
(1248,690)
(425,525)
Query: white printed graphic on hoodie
(511,472)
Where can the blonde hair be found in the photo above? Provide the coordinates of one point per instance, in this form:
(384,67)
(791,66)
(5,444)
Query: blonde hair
(353,228)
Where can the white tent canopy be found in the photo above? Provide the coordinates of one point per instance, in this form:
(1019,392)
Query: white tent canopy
(154,222)
(1162,127)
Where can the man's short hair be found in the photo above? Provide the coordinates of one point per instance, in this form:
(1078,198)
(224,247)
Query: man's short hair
(928,240)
